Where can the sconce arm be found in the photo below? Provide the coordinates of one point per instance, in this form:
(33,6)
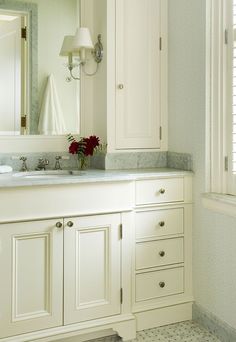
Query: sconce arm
(87,73)
(70,67)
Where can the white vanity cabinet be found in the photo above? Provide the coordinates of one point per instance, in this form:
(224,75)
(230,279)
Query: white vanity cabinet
(110,255)
(70,275)
(162,269)
(31,296)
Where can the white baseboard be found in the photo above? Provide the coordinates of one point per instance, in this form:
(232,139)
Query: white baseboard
(209,321)
(163,316)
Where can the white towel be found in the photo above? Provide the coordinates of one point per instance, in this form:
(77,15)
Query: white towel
(51,120)
(5,169)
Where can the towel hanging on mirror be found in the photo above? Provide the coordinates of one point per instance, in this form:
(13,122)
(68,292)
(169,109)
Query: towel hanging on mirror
(51,119)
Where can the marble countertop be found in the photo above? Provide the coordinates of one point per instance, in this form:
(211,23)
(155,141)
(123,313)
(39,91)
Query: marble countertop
(17,179)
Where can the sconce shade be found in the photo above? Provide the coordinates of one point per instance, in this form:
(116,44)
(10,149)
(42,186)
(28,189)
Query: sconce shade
(82,39)
(67,46)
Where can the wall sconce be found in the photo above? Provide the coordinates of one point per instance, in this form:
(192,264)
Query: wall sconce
(76,46)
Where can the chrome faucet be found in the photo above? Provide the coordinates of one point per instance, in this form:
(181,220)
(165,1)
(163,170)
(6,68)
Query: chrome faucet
(42,163)
(24,167)
(57,163)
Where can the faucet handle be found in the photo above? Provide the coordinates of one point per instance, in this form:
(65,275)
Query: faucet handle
(57,164)
(24,166)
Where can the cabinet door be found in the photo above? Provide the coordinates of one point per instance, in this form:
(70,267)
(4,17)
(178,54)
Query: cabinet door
(138,94)
(92,267)
(31,271)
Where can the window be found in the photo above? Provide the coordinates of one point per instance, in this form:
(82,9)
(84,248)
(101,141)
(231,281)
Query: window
(232,103)
(221,96)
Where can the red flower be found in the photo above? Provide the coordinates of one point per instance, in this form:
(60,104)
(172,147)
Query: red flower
(94,141)
(74,147)
(88,147)
(85,146)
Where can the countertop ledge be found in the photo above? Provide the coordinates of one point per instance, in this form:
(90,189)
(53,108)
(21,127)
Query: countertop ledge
(12,180)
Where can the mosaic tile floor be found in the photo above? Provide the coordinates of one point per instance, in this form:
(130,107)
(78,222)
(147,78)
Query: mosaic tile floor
(180,332)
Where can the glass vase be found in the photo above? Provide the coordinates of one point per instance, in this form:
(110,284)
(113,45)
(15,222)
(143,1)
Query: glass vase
(82,162)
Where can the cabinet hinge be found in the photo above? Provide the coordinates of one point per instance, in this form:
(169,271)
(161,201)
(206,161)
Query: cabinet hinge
(226,163)
(24,33)
(160,133)
(23,121)
(226,37)
(160,43)
(121,296)
(121,231)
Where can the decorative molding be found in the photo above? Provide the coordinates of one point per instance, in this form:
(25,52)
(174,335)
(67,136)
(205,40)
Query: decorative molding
(95,326)
(221,329)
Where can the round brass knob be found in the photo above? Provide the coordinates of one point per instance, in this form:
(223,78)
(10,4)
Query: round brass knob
(162,191)
(162,254)
(59,225)
(121,86)
(161,224)
(162,284)
(70,224)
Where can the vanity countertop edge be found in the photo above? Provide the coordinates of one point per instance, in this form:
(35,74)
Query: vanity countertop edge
(11,180)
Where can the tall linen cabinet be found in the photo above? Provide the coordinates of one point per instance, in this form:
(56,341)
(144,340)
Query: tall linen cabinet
(129,110)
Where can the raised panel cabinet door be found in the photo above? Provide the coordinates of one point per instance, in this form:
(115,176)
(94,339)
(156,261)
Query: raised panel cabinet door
(138,89)
(92,267)
(31,271)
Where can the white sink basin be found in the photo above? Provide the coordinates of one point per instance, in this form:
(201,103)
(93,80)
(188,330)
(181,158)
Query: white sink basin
(48,174)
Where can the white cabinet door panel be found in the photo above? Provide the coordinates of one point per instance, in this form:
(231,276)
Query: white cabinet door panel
(92,268)
(31,261)
(138,74)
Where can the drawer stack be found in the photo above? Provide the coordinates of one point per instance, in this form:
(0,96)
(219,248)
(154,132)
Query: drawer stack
(162,232)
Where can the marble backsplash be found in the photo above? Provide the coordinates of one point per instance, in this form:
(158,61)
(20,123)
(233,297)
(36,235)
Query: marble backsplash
(110,161)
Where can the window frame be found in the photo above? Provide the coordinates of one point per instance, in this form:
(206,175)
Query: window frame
(219,108)
(219,35)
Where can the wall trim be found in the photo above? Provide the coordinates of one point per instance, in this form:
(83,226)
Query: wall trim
(221,203)
(215,325)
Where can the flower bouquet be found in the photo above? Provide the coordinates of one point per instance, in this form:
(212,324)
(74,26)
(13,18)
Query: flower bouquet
(83,148)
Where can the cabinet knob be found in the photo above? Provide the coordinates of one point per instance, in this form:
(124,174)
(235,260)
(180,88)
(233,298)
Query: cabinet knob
(121,86)
(161,224)
(162,191)
(162,253)
(162,284)
(70,224)
(59,225)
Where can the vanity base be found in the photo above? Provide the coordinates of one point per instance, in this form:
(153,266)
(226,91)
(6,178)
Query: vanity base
(123,325)
(163,316)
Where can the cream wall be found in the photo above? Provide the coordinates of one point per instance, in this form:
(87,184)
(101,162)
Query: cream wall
(214,235)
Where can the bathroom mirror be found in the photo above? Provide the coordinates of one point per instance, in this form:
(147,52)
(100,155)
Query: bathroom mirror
(34,78)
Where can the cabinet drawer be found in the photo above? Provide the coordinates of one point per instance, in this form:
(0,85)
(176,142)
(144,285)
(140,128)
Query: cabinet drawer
(159,253)
(160,283)
(157,223)
(159,191)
